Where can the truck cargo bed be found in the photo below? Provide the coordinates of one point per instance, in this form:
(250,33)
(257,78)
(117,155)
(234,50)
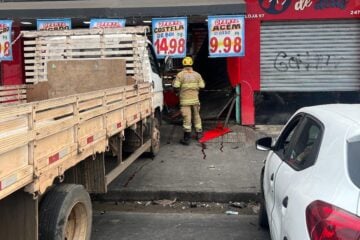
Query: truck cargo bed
(39,141)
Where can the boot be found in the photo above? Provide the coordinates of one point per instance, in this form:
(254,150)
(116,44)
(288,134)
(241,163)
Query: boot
(199,135)
(186,139)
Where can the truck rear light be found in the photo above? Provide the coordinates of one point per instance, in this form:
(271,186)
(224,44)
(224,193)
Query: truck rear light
(327,222)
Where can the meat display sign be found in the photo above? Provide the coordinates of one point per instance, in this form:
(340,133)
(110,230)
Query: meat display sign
(107,23)
(226,36)
(169,37)
(53,24)
(5,40)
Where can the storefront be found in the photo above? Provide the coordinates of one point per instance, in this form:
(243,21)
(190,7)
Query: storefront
(305,48)
(214,70)
(298,46)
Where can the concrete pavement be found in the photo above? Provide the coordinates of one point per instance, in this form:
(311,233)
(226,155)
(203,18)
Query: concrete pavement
(179,226)
(227,170)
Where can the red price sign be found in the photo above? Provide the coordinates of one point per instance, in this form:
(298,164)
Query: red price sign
(226,36)
(169,37)
(170,46)
(226,45)
(5,40)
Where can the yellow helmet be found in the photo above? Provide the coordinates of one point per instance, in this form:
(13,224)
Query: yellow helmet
(187,61)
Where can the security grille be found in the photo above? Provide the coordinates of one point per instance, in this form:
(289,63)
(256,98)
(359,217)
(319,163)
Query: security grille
(310,56)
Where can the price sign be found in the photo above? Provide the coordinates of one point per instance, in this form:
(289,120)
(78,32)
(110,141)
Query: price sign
(226,36)
(5,40)
(107,23)
(169,37)
(53,24)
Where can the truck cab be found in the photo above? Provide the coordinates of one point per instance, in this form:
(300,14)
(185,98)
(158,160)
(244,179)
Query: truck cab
(156,80)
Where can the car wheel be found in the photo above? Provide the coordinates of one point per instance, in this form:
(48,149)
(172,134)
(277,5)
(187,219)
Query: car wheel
(263,218)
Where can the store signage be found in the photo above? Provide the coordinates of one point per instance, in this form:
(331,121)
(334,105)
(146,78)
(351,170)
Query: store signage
(274,7)
(107,23)
(226,36)
(169,36)
(53,24)
(5,40)
(303,9)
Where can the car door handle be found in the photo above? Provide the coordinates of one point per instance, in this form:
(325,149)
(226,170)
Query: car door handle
(285,202)
(272,177)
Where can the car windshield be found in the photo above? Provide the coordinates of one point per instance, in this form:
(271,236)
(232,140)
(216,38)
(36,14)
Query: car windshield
(354,161)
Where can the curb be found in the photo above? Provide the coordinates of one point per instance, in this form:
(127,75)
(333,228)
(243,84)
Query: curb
(190,196)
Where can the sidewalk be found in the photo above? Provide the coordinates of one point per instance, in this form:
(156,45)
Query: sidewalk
(227,170)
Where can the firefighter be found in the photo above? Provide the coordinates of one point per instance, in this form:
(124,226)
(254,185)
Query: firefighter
(188,82)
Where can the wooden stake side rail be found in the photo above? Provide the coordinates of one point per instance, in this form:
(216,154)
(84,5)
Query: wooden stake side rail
(127,43)
(39,141)
(12,94)
(78,32)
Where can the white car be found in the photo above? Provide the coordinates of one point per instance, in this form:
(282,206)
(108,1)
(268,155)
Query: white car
(311,178)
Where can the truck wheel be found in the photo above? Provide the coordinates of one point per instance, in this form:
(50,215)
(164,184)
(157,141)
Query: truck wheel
(65,214)
(155,138)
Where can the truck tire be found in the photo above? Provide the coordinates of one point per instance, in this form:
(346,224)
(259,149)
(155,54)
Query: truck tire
(65,213)
(155,138)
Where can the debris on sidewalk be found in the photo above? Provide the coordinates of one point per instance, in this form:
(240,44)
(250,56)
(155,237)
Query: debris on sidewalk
(193,205)
(254,206)
(256,209)
(173,206)
(204,205)
(165,202)
(232,213)
(238,204)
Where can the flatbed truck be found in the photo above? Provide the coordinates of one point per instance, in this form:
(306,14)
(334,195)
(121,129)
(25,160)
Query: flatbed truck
(53,151)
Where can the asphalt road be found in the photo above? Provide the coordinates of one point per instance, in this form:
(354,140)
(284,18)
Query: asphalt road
(179,226)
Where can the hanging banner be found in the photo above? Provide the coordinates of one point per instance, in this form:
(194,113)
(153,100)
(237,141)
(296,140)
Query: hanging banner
(169,37)
(53,24)
(107,23)
(5,40)
(226,36)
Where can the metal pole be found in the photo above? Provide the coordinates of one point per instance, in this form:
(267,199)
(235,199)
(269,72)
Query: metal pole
(237,104)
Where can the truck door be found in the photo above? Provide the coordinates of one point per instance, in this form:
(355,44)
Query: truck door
(156,79)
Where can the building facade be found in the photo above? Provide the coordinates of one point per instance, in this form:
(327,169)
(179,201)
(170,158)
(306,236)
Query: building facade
(298,46)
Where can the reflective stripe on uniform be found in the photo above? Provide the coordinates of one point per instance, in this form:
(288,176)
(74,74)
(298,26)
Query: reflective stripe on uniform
(187,128)
(201,83)
(189,101)
(176,83)
(198,127)
(190,85)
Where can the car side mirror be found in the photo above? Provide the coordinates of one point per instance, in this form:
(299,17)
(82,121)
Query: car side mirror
(264,144)
(168,64)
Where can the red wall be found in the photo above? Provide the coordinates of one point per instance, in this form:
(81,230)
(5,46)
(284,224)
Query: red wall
(272,10)
(12,72)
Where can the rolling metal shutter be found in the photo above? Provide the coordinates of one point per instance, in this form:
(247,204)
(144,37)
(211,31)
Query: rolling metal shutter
(310,56)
